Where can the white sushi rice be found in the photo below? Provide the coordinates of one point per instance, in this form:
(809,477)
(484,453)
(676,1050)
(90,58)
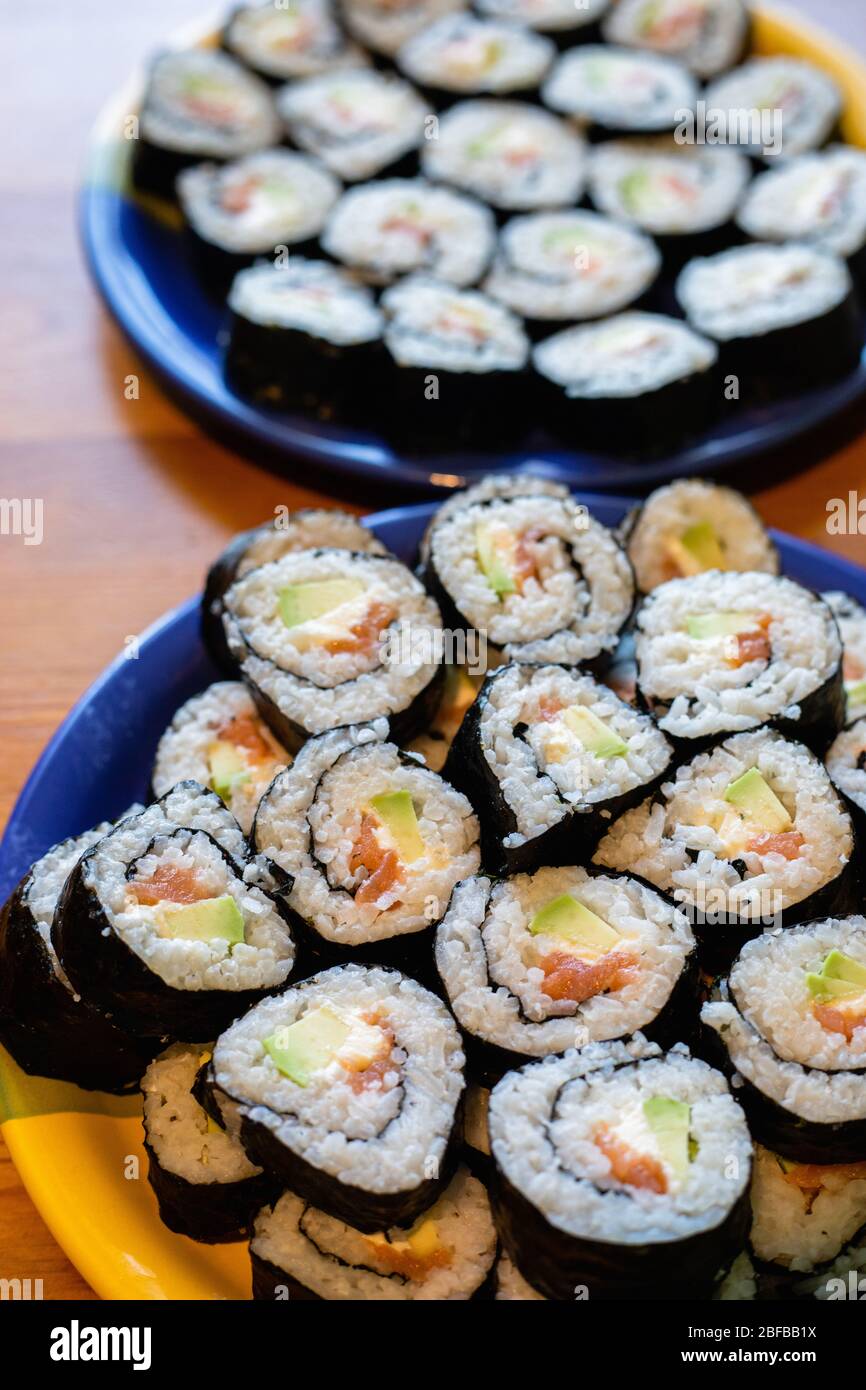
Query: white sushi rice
(671,510)
(846,763)
(432,325)
(511,1287)
(620,89)
(245,118)
(707,35)
(623,357)
(503,485)
(176,1127)
(666,188)
(799,1228)
(290,41)
(851,617)
(816,198)
(464,54)
(384,26)
(753,290)
(254,204)
(312,297)
(309,528)
(804,102)
(550,16)
(356,122)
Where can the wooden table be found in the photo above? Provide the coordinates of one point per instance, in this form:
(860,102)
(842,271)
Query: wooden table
(136,499)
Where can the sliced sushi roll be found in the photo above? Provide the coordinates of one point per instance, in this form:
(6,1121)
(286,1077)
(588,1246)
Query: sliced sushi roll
(448,1252)
(370,842)
(622,1172)
(463,56)
(632,382)
(309,528)
(199,104)
(617,91)
(206,1187)
(347,1088)
(561,20)
(784,316)
(749,835)
(503,485)
(538,576)
(846,764)
(385,25)
(359,124)
(776,107)
(507,153)
(721,652)
(389,229)
(691,526)
(539,963)
(325,638)
(851,618)
(791,1021)
(804,1214)
(571,265)
(218,740)
(49,1027)
(708,36)
(169,924)
(511,1287)
(552,756)
(250,207)
(818,198)
(300,335)
(291,40)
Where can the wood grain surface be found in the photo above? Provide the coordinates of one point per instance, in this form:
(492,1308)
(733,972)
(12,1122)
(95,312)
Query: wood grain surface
(136,499)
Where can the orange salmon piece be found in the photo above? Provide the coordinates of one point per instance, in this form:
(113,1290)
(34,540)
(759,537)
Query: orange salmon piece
(363,635)
(382,865)
(629,1167)
(244,732)
(407,1263)
(568,978)
(837,1019)
(169,885)
(548,708)
(788,844)
(810,1177)
(525,563)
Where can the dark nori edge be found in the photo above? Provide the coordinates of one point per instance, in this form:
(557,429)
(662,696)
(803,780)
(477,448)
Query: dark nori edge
(212,1212)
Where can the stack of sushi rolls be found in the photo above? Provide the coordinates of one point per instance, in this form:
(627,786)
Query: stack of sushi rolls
(360,124)
(709,36)
(617,91)
(462,55)
(286,42)
(384,27)
(851,618)
(561,20)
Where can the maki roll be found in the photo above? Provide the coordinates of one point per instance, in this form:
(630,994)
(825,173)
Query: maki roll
(389,229)
(804,1214)
(251,207)
(571,265)
(630,379)
(617,91)
(49,1027)
(552,756)
(691,526)
(791,106)
(724,651)
(819,199)
(463,56)
(508,153)
(199,104)
(385,25)
(750,834)
(474,349)
(292,39)
(359,124)
(708,36)
(218,740)
(846,764)
(791,1021)
(448,1253)
(542,962)
(300,335)
(502,485)
(370,843)
(542,579)
(205,1185)
(561,20)
(622,1172)
(785,316)
(851,618)
(168,923)
(330,637)
(347,1088)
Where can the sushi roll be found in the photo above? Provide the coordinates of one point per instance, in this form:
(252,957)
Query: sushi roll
(463,56)
(370,844)
(634,382)
(775,107)
(750,834)
(539,963)
(199,104)
(300,335)
(348,1088)
(501,485)
(617,91)
(447,1254)
(252,207)
(325,638)
(218,740)
(509,154)
(804,1214)
(308,528)
(819,199)
(720,652)
(846,764)
(290,40)
(359,124)
(622,1172)
(561,266)
(475,351)
(47,1025)
(384,26)
(708,36)
(790,1020)
(169,924)
(691,526)
(552,756)
(389,229)
(563,21)
(539,576)
(851,618)
(206,1187)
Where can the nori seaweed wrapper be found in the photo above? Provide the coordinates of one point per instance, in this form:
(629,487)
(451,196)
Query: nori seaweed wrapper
(212,1212)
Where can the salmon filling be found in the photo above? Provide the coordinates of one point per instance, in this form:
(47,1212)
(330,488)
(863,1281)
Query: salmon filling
(744,647)
(383,866)
(363,635)
(372,1076)
(842,1016)
(245,734)
(566,977)
(170,884)
(788,844)
(628,1166)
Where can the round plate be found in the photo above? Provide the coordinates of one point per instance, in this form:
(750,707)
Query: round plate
(138,258)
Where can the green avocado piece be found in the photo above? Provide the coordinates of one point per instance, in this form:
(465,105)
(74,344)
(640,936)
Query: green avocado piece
(669,1121)
(697,549)
(840,977)
(751,795)
(567,918)
(593,733)
(303,1048)
(493,558)
(214,919)
(302,603)
(397,813)
(227,768)
(855,693)
(703,626)
(633,189)
(822,987)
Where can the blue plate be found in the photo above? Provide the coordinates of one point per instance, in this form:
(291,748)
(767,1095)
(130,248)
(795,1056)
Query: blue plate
(100,759)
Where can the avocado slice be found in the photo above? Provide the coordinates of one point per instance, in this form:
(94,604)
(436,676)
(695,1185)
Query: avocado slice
(755,799)
(704,626)
(397,813)
(696,550)
(840,977)
(304,602)
(494,546)
(213,919)
(593,733)
(855,692)
(570,920)
(669,1121)
(633,189)
(303,1048)
(227,768)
